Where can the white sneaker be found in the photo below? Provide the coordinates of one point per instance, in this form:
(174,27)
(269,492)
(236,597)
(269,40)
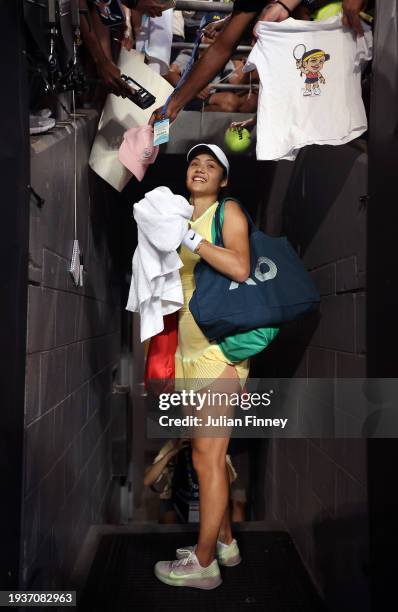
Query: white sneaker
(228,555)
(188,572)
(307,92)
(39,124)
(317,91)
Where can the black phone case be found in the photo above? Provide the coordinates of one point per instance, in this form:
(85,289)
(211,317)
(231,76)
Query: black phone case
(140,96)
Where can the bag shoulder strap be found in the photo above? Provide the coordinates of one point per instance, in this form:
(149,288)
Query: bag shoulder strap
(218,220)
(217,223)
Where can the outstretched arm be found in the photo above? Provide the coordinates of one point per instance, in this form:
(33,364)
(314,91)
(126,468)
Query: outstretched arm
(219,53)
(209,65)
(108,72)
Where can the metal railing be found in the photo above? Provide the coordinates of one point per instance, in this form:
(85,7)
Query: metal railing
(221,7)
(203,5)
(232,87)
(188,45)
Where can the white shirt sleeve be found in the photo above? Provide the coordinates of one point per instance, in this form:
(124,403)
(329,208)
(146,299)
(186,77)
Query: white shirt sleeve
(364,51)
(251,63)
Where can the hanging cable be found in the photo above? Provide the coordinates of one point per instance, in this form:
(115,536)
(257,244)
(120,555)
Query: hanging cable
(74,160)
(75,269)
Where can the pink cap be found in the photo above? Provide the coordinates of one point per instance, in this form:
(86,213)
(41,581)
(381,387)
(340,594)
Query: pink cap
(137,151)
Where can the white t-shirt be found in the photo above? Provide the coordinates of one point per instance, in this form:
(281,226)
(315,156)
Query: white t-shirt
(310,85)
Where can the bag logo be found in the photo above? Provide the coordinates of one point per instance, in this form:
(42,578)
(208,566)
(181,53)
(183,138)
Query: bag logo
(259,275)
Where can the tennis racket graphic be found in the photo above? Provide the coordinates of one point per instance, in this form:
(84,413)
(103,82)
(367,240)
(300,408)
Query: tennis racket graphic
(298,53)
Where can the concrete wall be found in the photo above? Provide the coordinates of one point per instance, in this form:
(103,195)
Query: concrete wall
(318,488)
(72,349)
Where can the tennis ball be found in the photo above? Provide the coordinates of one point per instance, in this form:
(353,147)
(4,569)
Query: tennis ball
(330,10)
(237,139)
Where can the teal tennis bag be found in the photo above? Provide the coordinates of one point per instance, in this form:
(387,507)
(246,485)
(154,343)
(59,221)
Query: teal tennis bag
(244,318)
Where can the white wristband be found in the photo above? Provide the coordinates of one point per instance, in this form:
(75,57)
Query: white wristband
(191,240)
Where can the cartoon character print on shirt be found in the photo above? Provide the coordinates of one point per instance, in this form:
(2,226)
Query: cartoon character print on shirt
(310,63)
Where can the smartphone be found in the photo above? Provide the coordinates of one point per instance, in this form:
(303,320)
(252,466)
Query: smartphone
(139,95)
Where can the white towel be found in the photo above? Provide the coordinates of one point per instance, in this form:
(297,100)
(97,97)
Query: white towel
(156,290)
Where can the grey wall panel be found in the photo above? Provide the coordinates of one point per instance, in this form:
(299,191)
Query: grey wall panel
(72,350)
(318,488)
(382,296)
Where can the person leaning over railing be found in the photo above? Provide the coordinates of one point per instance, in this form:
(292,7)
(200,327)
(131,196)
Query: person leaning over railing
(96,38)
(244,13)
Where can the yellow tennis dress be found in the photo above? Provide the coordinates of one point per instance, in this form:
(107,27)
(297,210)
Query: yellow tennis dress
(198,361)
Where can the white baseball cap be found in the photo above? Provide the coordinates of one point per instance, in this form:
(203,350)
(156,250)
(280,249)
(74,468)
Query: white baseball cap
(214,149)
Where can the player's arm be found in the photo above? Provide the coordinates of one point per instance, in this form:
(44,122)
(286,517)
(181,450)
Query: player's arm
(233,259)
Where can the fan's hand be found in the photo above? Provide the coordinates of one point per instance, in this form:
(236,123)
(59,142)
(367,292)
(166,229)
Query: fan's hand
(351,18)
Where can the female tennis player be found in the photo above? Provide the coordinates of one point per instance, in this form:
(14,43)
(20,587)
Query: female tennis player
(200,364)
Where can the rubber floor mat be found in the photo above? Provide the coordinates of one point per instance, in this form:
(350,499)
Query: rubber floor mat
(271,577)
